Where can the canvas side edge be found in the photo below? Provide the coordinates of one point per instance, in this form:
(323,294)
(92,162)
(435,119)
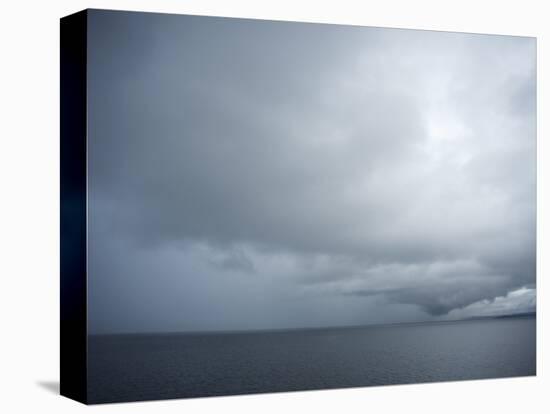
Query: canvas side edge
(73,201)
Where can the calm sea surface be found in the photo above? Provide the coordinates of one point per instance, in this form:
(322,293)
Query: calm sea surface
(140,367)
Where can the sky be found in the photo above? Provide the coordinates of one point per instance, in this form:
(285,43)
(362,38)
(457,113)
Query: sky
(248,174)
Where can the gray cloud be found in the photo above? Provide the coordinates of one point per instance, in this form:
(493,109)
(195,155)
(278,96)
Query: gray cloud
(298,174)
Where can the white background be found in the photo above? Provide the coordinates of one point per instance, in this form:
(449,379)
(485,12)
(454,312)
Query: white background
(29,204)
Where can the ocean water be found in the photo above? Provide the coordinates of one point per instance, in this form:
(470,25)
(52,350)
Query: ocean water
(142,367)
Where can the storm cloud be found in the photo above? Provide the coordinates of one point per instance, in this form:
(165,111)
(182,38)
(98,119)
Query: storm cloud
(255,174)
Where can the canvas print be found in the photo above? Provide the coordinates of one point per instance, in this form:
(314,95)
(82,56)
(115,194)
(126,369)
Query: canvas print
(254,206)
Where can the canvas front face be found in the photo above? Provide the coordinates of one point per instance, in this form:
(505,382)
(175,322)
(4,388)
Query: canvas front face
(279,206)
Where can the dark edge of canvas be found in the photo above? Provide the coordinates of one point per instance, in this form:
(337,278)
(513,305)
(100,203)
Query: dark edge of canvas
(73,201)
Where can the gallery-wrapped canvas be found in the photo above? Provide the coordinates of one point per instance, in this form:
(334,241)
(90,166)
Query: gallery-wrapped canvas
(254,206)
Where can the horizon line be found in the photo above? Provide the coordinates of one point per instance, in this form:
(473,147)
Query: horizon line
(312,328)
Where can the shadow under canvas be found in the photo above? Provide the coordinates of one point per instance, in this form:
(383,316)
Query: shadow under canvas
(51,386)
